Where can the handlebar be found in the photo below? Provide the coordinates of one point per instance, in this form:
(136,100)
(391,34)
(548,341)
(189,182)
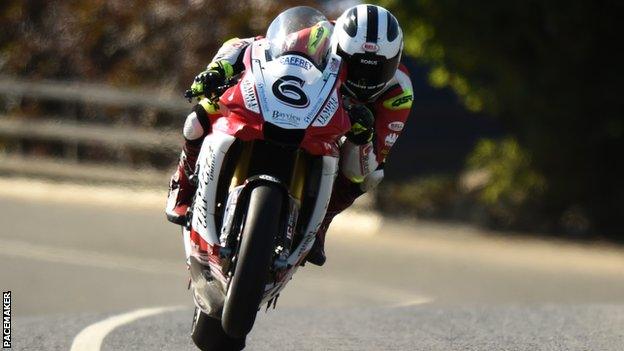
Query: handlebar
(215,93)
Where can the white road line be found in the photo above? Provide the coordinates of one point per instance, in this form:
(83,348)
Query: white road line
(417,301)
(91,337)
(22,249)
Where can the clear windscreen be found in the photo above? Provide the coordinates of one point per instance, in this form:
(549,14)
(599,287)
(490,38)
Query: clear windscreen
(301,30)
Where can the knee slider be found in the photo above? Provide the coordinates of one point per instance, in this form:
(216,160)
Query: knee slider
(192,127)
(357,161)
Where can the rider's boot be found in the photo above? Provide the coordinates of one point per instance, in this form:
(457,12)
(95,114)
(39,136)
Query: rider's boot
(343,195)
(181,189)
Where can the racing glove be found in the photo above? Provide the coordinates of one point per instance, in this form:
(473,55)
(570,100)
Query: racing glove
(362,125)
(215,76)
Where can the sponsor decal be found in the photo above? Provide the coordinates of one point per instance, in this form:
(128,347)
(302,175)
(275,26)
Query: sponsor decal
(370,47)
(401,102)
(249,95)
(6,320)
(285,118)
(327,112)
(391,139)
(369,62)
(296,61)
(269,178)
(207,175)
(334,64)
(200,209)
(262,93)
(292,221)
(365,86)
(365,151)
(212,156)
(396,126)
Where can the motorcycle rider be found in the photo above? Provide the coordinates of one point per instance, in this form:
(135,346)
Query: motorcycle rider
(377,93)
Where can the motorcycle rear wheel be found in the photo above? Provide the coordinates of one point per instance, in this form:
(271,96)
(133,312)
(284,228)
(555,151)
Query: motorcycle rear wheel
(208,335)
(253,260)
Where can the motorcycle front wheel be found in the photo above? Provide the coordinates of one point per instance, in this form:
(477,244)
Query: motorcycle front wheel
(208,335)
(253,260)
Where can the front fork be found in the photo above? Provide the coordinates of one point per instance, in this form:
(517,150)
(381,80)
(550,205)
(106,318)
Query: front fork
(230,229)
(287,256)
(234,216)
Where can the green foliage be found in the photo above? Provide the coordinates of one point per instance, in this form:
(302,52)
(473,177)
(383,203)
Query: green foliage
(510,177)
(551,71)
(137,42)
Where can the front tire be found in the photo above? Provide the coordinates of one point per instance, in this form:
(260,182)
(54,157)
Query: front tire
(253,260)
(208,335)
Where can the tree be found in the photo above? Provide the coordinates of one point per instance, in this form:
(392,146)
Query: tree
(551,71)
(136,43)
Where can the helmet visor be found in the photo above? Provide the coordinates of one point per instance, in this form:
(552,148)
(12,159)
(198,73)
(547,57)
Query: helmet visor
(368,74)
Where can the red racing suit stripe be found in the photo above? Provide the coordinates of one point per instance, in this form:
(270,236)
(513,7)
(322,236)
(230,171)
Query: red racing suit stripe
(391,110)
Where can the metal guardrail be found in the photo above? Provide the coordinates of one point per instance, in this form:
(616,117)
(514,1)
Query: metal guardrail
(55,129)
(72,134)
(99,94)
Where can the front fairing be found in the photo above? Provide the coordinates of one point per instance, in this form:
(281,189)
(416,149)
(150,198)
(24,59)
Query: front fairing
(252,103)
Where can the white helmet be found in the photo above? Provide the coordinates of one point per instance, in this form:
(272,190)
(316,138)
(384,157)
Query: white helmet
(370,41)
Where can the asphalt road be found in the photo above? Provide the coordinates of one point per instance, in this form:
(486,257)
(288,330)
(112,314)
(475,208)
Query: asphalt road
(73,257)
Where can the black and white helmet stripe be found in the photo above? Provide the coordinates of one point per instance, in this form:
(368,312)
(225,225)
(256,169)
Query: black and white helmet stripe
(370,41)
(372,20)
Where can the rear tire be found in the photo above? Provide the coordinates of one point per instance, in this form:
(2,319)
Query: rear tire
(253,260)
(208,335)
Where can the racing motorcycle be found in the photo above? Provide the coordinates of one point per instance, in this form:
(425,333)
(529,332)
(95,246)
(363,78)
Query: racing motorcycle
(264,176)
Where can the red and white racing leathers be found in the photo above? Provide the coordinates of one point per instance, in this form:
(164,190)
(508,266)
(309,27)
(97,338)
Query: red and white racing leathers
(361,165)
